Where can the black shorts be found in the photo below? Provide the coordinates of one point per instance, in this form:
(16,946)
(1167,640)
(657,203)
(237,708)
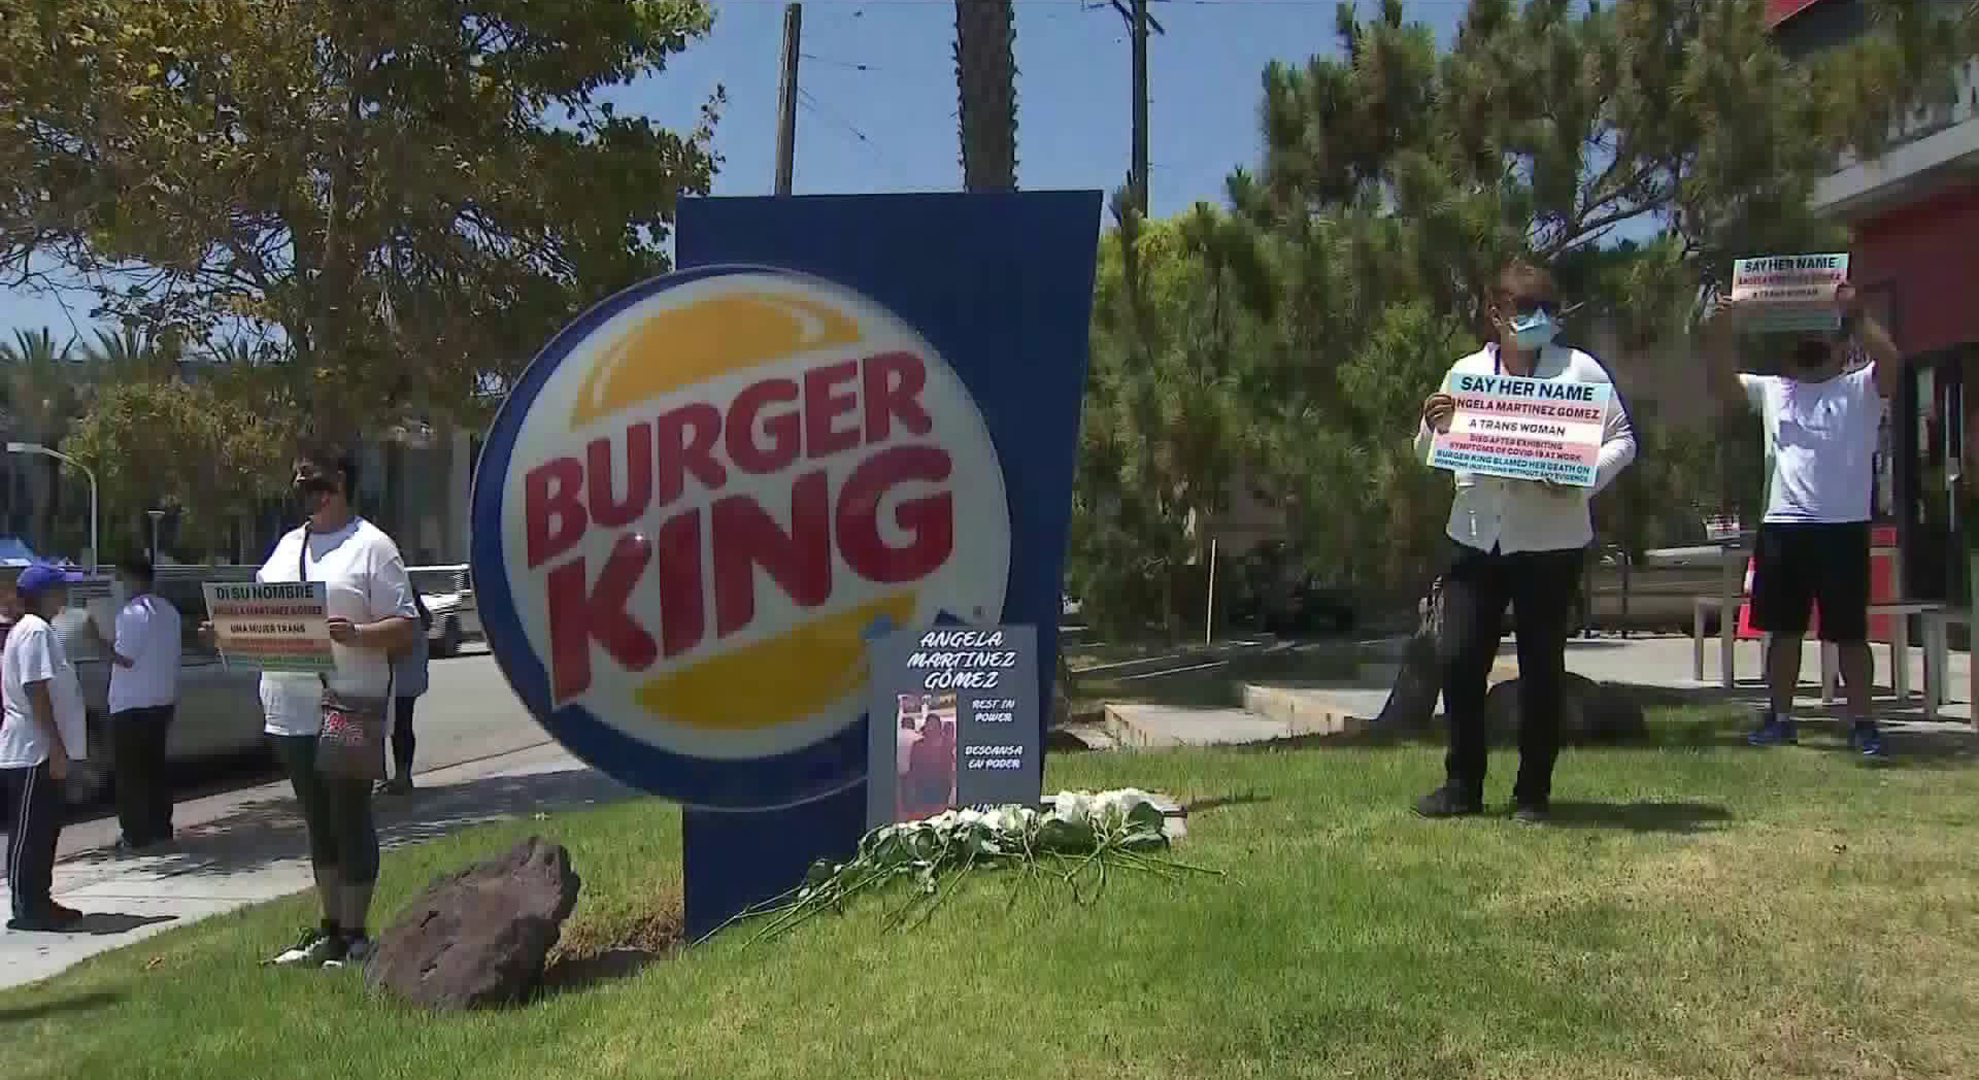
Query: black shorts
(1797,566)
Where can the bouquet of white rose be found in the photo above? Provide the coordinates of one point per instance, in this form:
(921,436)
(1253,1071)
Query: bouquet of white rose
(1074,839)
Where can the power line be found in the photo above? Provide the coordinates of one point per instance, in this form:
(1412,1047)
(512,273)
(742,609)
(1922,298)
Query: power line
(811,103)
(835,62)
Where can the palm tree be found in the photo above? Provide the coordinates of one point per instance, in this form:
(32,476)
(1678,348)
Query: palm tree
(986,84)
(42,394)
(40,388)
(129,354)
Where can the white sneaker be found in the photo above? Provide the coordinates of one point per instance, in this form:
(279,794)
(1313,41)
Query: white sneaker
(356,951)
(314,949)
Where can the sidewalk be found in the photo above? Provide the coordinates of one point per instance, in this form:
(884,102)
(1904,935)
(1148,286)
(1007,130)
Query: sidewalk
(244,847)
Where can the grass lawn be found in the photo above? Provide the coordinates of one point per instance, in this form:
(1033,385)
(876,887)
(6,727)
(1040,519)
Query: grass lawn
(1700,909)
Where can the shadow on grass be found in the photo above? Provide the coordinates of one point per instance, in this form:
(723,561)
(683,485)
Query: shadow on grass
(590,954)
(1641,817)
(1218,802)
(95,999)
(565,976)
(1694,719)
(106,923)
(1060,741)
(1911,743)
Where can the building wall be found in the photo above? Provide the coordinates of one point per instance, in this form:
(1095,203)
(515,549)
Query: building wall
(1925,256)
(418,492)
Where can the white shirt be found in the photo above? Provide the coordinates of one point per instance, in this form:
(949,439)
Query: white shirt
(147,635)
(34,654)
(1490,512)
(1821,442)
(366,582)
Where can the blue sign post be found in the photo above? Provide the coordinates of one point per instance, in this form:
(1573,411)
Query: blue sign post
(843,416)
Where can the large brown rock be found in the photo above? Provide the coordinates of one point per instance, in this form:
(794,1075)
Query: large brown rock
(480,936)
(1591,713)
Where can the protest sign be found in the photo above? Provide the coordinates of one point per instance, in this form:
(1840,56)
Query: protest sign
(1524,429)
(1787,293)
(953,721)
(271,626)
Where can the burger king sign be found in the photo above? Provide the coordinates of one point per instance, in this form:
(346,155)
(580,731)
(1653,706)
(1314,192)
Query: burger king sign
(701,501)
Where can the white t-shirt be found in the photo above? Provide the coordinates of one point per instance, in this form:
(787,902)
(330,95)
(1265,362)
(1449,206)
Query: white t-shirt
(147,635)
(1821,438)
(34,653)
(366,582)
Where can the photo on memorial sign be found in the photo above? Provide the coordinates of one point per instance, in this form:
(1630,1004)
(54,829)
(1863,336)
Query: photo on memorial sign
(926,759)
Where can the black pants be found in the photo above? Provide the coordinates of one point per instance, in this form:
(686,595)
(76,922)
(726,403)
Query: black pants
(403,741)
(1540,586)
(336,812)
(36,800)
(144,791)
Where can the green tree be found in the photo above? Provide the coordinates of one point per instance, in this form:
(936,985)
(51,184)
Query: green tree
(1397,178)
(986,92)
(44,388)
(130,354)
(404,195)
(212,449)
(1166,427)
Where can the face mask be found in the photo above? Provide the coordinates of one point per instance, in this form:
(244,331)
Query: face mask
(1534,331)
(1812,355)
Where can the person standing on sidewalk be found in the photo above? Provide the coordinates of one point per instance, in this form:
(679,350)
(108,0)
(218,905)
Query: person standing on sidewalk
(410,679)
(144,648)
(371,616)
(41,732)
(1519,543)
(1822,419)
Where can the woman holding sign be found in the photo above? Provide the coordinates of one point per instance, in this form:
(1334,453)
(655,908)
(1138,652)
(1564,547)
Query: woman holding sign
(1518,534)
(329,729)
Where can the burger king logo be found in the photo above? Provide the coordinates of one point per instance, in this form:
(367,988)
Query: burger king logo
(708,493)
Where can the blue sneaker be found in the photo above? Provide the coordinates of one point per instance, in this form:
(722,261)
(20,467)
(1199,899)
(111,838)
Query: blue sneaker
(1866,738)
(1775,730)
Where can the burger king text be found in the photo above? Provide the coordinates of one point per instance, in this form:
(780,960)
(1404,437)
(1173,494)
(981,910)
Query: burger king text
(830,412)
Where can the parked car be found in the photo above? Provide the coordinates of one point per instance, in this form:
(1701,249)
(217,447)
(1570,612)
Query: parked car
(1655,592)
(1307,607)
(449,594)
(219,712)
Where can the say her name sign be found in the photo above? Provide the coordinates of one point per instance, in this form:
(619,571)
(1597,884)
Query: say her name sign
(272,626)
(1790,292)
(1524,429)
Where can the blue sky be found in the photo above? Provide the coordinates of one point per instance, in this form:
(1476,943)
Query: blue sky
(878,106)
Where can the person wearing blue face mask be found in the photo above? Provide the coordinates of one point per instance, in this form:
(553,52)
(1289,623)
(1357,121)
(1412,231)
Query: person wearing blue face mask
(1518,544)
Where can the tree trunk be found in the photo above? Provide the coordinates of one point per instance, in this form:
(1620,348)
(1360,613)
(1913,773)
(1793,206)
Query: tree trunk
(986,85)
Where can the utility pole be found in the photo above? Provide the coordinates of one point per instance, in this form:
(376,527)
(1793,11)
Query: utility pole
(1139,22)
(786,98)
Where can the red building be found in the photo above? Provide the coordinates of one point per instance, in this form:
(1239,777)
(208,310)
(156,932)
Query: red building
(1914,214)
